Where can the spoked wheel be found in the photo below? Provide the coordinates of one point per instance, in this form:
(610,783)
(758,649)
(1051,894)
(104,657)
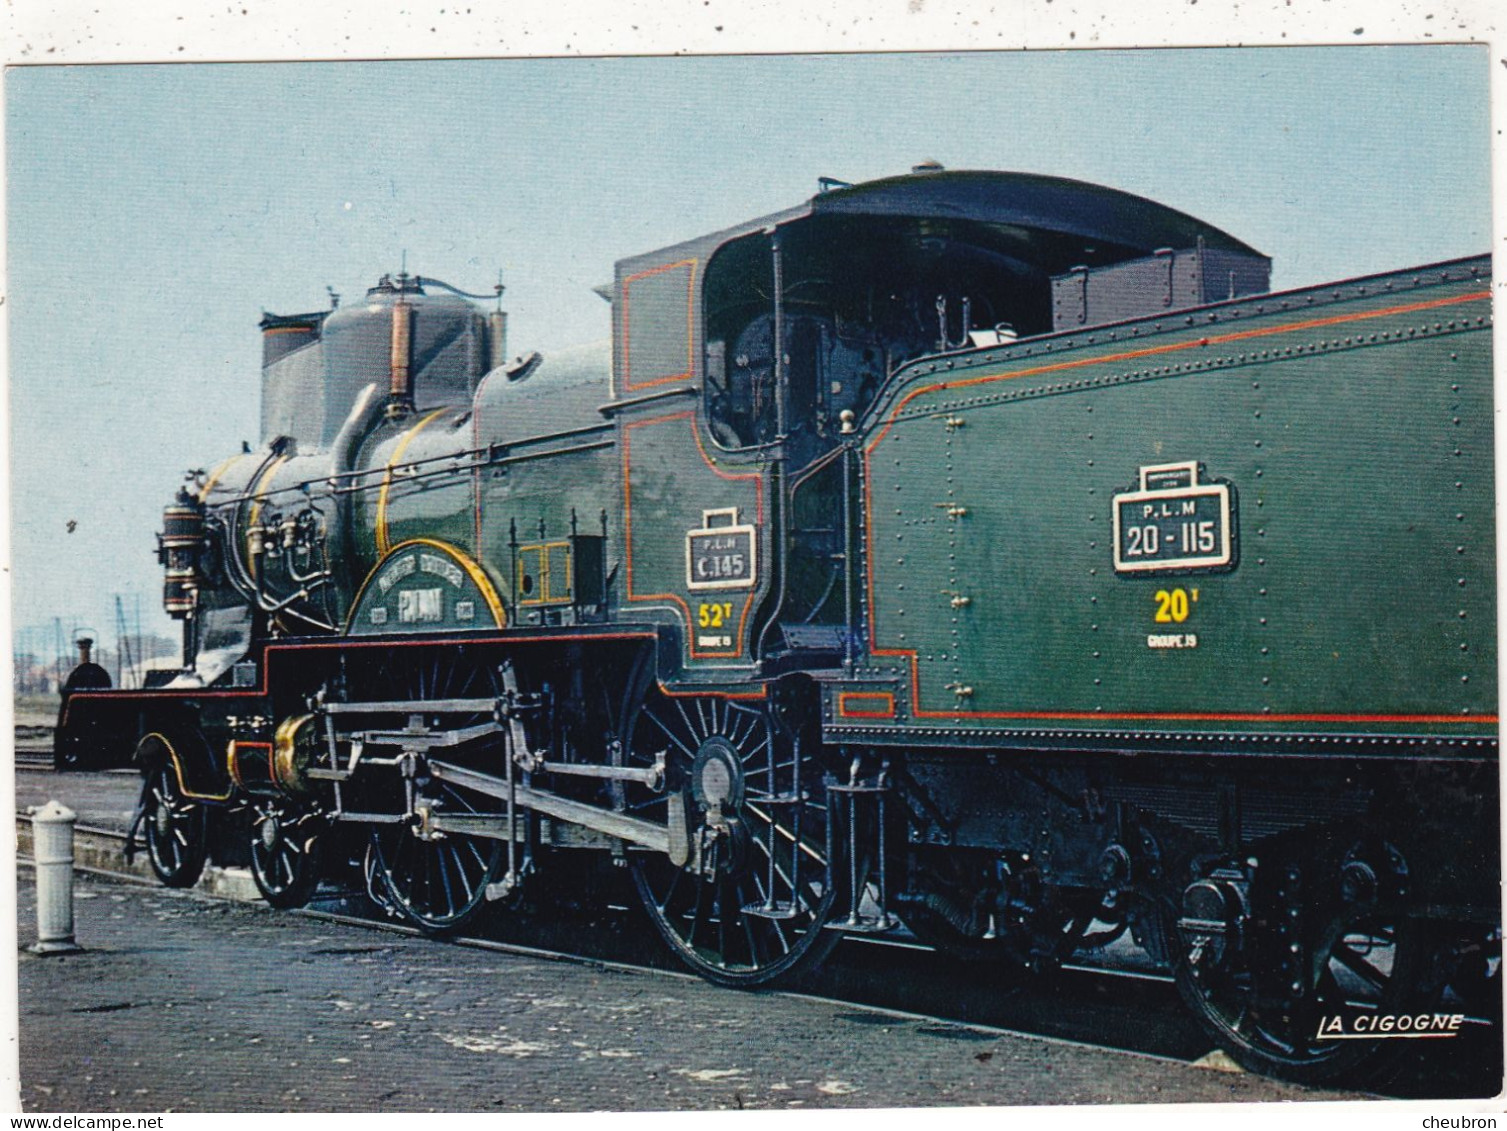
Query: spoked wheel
(176,826)
(285,852)
(1326,956)
(743,897)
(437,880)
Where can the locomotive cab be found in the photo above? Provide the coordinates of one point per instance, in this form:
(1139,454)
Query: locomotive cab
(870,278)
(805,318)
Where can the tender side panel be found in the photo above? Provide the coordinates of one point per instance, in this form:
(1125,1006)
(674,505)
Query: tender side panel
(1305,537)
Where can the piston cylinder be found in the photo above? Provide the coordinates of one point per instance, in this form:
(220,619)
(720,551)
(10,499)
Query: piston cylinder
(278,768)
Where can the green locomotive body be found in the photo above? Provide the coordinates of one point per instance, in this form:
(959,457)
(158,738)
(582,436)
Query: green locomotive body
(982,556)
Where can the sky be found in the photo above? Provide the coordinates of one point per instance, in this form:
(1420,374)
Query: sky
(153,212)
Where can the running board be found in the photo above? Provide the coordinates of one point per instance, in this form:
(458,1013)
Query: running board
(672,839)
(415,707)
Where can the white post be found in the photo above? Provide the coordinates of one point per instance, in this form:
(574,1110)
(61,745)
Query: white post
(52,849)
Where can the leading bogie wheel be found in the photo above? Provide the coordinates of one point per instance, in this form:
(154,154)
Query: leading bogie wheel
(746,902)
(285,852)
(175,825)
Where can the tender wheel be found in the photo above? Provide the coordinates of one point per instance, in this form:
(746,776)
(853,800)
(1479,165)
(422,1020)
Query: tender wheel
(746,801)
(285,853)
(1281,968)
(436,880)
(176,827)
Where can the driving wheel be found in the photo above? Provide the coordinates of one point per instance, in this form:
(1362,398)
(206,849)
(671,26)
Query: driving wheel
(743,898)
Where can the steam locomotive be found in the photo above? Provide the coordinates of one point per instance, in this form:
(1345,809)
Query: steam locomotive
(984,556)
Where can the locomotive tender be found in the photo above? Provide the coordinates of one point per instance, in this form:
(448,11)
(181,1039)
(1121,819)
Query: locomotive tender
(982,552)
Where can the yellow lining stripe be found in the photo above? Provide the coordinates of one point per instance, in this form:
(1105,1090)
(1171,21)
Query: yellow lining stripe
(178,770)
(214,476)
(478,577)
(547,594)
(380,526)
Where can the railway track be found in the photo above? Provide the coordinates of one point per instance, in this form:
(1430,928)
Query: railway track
(1115,1004)
(33,746)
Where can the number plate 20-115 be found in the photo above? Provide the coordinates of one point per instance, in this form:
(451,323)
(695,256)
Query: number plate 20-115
(1172,522)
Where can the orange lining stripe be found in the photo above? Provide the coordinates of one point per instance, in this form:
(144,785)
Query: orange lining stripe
(232,763)
(886,710)
(690,416)
(1174,347)
(690,324)
(1135,716)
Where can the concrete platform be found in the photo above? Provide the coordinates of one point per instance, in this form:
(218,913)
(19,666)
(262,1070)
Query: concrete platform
(182,1003)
